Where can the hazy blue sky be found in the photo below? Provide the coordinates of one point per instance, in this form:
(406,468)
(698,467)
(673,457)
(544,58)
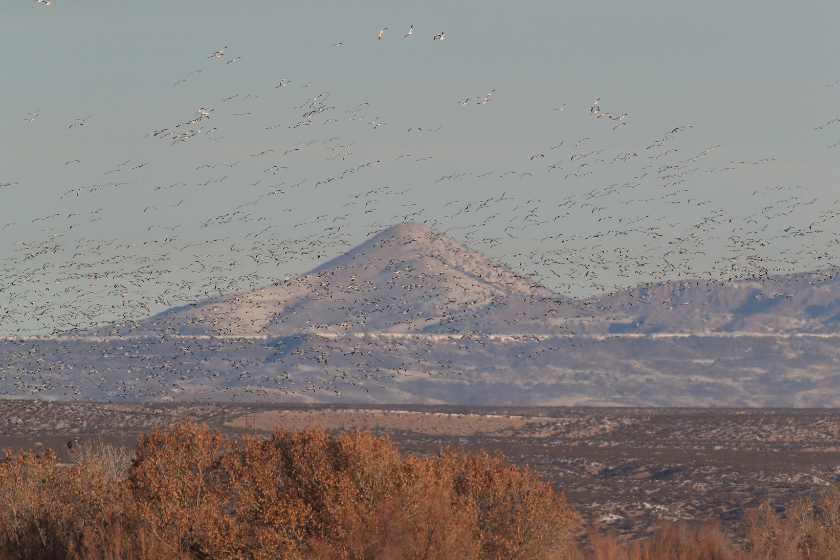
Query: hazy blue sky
(722,103)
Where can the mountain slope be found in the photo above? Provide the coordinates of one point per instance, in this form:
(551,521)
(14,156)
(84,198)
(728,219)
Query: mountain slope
(795,304)
(407,278)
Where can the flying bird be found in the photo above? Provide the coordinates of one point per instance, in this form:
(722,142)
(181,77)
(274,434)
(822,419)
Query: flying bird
(79,122)
(826,124)
(381,32)
(217,54)
(438,36)
(410,31)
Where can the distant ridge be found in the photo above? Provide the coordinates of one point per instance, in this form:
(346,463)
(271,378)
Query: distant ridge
(781,304)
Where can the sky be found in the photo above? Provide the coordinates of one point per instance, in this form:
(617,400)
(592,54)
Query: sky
(154,153)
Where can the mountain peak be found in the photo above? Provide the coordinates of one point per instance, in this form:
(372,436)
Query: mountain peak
(405,239)
(406,278)
(411,229)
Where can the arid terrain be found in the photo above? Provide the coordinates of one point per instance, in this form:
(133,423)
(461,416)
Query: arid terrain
(622,468)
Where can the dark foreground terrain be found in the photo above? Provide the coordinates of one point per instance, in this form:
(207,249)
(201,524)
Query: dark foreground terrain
(627,468)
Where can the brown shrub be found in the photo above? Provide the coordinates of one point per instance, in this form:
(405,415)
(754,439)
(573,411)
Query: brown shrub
(32,523)
(48,511)
(177,482)
(455,505)
(801,532)
(312,494)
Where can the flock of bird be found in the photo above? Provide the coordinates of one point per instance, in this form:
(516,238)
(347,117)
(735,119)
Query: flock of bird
(616,219)
(435,37)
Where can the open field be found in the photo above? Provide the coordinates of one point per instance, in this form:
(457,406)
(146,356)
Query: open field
(628,468)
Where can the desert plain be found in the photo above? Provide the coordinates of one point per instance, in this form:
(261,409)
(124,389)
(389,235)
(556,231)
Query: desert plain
(624,469)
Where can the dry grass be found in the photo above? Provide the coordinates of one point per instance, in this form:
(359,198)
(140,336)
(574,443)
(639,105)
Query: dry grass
(671,541)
